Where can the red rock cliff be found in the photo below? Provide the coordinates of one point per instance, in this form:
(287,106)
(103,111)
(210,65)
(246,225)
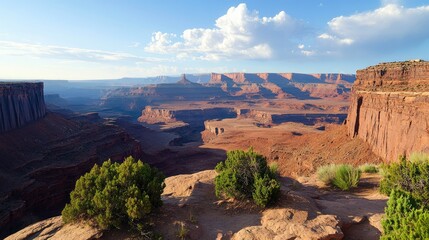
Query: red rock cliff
(390,108)
(20,103)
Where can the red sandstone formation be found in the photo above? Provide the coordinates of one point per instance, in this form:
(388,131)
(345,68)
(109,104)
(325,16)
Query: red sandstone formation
(195,116)
(20,104)
(284,85)
(390,108)
(233,86)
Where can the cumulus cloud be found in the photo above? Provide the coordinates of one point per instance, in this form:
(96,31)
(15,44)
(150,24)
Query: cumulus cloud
(384,29)
(239,33)
(60,52)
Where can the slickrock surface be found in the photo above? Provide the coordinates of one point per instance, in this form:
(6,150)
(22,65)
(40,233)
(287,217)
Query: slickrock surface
(390,108)
(54,228)
(20,104)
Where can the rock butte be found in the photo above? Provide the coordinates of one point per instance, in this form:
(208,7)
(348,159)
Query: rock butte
(390,108)
(20,103)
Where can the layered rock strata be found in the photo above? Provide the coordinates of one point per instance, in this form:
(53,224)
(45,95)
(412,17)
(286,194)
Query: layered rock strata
(154,115)
(390,108)
(285,85)
(20,104)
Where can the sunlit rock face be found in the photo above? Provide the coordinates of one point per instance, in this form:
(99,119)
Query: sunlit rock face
(390,108)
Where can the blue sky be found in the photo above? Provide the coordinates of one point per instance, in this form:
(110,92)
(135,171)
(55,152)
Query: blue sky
(99,39)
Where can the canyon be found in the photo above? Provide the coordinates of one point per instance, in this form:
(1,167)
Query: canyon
(232,87)
(298,121)
(389,108)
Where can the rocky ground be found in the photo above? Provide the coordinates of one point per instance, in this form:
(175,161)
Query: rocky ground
(306,210)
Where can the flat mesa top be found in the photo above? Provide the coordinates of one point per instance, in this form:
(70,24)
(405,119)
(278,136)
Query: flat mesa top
(414,62)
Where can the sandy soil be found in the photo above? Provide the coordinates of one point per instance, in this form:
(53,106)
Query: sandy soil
(298,149)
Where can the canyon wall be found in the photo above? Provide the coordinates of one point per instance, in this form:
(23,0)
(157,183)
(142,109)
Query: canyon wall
(390,108)
(284,85)
(20,103)
(241,77)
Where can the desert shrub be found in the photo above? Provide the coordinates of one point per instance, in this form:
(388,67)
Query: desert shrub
(246,175)
(115,194)
(182,231)
(405,218)
(407,176)
(274,170)
(407,213)
(342,176)
(326,173)
(265,190)
(418,157)
(346,177)
(368,168)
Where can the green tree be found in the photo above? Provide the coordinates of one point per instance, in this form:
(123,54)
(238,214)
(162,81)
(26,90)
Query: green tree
(246,175)
(116,194)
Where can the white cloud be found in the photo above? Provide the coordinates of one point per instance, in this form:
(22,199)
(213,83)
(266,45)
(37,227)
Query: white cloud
(388,2)
(60,52)
(239,33)
(384,29)
(135,45)
(308,53)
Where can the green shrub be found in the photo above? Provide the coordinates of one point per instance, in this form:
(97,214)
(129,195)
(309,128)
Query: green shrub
(405,218)
(265,190)
(342,176)
(407,213)
(182,231)
(115,194)
(346,177)
(326,173)
(418,157)
(407,176)
(368,168)
(274,170)
(246,175)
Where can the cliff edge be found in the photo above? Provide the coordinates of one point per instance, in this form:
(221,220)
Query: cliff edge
(20,103)
(390,108)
